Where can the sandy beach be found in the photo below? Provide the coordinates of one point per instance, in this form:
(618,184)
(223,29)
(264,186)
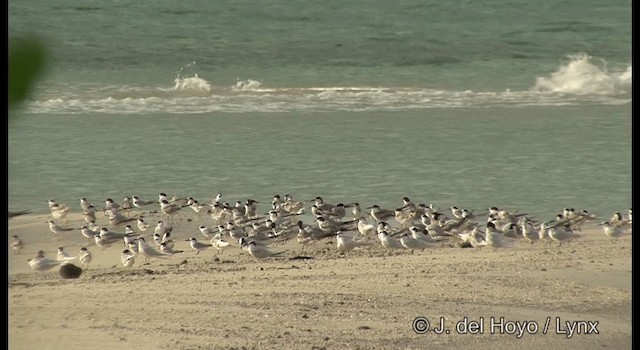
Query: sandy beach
(369,298)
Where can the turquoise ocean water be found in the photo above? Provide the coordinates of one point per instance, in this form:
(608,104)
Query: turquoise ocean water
(515,104)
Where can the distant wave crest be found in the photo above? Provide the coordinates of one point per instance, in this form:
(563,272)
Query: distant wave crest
(194,83)
(577,82)
(247,85)
(582,76)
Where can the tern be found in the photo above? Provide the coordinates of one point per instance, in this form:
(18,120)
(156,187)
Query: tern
(104,242)
(291,205)
(364,227)
(40,263)
(139,203)
(162,228)
(55,205)
(561,234)
(84,256)
(166,249)
(407,241)
(611,231)
(84,204)
(389,242)
(170,209)
(207,232)
(89,215)
(322,206)
(148,251)
(219,243)
(127,258)
(58,211)
(167,240)
(129,230)
(198,246)
(476,238)
(63,256)
(258,251)
(617,220)
(380,214)
(57,229)
(404,218)
(16,244)
(422,235)
(157,239)
(347,242)
(527,230)
(495,239)
(126,203)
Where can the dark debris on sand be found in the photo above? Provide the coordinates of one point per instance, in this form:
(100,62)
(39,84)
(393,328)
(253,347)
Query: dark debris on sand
(69,271)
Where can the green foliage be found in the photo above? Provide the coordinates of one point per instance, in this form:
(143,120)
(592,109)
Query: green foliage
(27,56)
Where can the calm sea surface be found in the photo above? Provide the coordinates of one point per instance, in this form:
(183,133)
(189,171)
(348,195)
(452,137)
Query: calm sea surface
(515,104)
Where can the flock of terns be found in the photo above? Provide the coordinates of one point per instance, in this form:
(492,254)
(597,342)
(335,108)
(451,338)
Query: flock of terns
(410,226)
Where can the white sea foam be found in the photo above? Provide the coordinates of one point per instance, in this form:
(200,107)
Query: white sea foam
(583,75)
(194,83)
(247,85)
(577,82)
(316,101)
(624,79)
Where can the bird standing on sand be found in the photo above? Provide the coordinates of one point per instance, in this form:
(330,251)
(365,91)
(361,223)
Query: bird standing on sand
(88,233)
(148,251)
(495,239)
(612,231)
(63,256)
(407,241)
(218,242)
(364,227)
(561,234)
(84,204)
(389,242)
(207,232)
(162,227)
(139,203)
(169,209)
(16,244)
(127,258)
(57,229)
(89,214)
(527,230)
(143,226)
(198,246)
(166,249)
(40,263)
(347,242)
(380,214)
(84,256)
(258,251)
(617,220)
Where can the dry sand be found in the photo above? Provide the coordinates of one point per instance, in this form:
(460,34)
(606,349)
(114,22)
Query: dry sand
(367,299)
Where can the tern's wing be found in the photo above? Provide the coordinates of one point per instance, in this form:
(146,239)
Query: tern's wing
(67,258)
